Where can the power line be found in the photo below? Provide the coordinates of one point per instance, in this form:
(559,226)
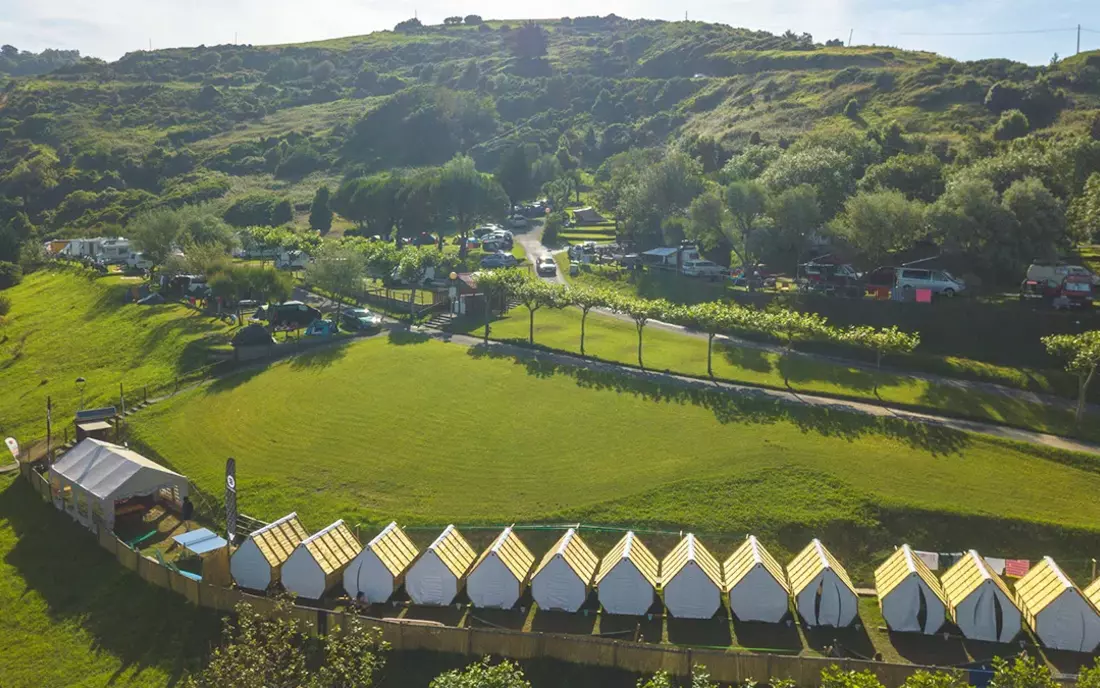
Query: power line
(989,33)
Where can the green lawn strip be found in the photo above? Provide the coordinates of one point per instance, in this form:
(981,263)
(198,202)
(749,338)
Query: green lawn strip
(407,429)
(65,324)
(71,615)
(612,339)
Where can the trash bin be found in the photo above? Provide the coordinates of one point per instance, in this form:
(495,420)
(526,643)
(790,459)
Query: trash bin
(574,269)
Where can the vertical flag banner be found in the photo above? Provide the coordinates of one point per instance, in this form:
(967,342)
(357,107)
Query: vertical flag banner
(13,447)
(231,497)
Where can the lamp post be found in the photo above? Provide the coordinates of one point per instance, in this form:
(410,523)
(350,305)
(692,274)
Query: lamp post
(454,292)
(80,382)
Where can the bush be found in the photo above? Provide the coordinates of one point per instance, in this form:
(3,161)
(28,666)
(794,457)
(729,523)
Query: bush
(5,306)
(10,275)
(552,230)
(851,110)
(1012,125)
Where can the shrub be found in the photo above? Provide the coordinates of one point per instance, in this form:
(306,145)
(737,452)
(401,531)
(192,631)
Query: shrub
(10,275)
(5,306)
(851,110)
(1012,125)
(552,230)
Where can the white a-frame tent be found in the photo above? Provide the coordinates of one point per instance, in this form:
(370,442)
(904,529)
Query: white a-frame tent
(258,562)
(909,595)
(823,592)
(979,602)
(691,580)
(500,574)
(318,562)
(756,584)
(1056,610)
(563,578)
(440,572)
(628,578)
(380,568)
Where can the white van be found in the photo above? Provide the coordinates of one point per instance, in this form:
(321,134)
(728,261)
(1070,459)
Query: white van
(702,268)
(137,261)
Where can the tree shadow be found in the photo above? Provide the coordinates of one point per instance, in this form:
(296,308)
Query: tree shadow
(804,369)
(235,379)
(403,337)
(324,356)
(140,624)
(744,357)
(733,406)
(928,650)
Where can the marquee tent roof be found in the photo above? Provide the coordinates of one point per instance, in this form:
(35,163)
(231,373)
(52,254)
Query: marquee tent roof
(512,553)
(333,547)
(394,550)
(276,541)
(810,562)
(979,601)
(108,471)
(900,566)
(575,554)
(689,550)
(631,549)
(453,551)
(966,576)
(747,556)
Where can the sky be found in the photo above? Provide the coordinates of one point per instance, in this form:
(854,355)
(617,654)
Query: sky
(1029,31)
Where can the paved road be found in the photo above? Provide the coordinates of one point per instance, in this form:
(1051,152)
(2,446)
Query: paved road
(531,241)
(991,429)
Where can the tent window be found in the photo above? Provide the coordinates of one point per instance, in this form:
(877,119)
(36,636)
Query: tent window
(998,615)
(817,601)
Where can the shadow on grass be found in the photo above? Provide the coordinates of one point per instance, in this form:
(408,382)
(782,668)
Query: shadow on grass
(234,380)
(322,357)
(800,370)
(734,407)
(848,642)
(934,650)
(712,632)
(754,635)
(744,357)
(140,624)
(402,337)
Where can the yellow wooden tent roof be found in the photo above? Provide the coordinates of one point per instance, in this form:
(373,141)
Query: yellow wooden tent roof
(394,549)
(901,564)
(333,548)
(690,549)
(631,549)
(512,553)
(576,555)
(277,540)
(966,576)
(810,562)
(453,550)
(1041,586)
(1093,594)
(747,556)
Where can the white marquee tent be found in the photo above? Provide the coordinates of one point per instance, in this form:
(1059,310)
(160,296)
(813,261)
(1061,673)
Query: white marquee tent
(92,476)
(909,594)
(318,562)
(756,584)
(823,592)
(1056,610)
(691,579)
(258,562)
(979,602)
(628,578)
(563,578)
(439,573)
(500,574)
(380,568)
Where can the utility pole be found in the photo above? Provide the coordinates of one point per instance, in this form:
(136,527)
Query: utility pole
(49,428)
(1078,39)
(850,32)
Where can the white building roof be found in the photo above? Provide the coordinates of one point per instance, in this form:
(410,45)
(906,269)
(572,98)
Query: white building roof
(109,471)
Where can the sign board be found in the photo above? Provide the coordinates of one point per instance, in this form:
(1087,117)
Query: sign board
(13,447)
(231,497)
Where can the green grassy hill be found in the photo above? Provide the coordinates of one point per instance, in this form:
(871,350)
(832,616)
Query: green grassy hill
(430,433)
(66,324)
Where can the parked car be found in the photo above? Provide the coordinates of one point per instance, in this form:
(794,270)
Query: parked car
(939,281)
(518,221)
(1076,291)
(360,320)
(702,268)
(500,259)
(1054,273)
(546,266)
(483,230)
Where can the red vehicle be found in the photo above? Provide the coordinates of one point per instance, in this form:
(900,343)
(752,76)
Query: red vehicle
(1071,291)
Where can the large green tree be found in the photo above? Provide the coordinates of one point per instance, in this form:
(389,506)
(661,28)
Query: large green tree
(467,196)
(878,223)
(320,214)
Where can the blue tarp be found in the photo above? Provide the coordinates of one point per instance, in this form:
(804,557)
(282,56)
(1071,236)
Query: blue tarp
(201,541)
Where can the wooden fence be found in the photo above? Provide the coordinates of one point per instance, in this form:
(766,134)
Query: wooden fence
(725,666)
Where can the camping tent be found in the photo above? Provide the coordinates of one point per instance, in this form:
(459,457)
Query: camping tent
(979,602)
(498,577)
(93,476)
(439,573)
(823,592)
(910,596)
(756,584)
(564,576)
(691,579)
(628,578)
(318,562)
(587,216)
(380,568)
(258,562)
(1056,610)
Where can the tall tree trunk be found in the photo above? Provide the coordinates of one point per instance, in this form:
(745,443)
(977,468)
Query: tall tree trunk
(640,364)
(1084,381)
(710,351)
(531,326)
(584,317)
(487,314)
(412,304)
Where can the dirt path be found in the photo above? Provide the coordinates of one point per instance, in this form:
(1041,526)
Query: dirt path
(991,429)
(531,241)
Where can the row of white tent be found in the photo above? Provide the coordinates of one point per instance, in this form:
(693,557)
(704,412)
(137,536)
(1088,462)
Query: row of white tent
(629,580)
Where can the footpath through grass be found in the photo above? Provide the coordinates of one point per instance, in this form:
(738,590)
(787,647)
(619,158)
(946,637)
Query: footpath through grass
(431,433)
(67,323)
(70,615)
(613,339)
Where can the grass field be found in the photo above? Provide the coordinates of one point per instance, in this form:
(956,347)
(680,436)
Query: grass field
(431,433)
(70,615)
(616,340)
(66,324)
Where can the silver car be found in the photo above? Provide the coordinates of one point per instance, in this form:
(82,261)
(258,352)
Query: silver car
(939,281)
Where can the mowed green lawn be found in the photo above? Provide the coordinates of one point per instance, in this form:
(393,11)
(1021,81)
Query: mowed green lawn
(70,615)
(613,339)
(432,433)
(66,324)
